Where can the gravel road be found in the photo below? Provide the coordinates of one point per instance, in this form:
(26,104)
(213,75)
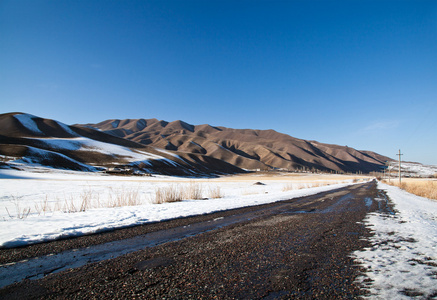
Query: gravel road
(296,249)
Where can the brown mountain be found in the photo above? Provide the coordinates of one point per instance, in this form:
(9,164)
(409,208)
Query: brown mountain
(30,140)
(244,148)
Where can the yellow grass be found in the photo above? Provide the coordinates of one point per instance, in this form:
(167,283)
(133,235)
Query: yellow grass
(422,188)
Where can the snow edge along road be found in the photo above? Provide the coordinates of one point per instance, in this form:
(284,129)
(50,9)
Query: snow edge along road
(402,261)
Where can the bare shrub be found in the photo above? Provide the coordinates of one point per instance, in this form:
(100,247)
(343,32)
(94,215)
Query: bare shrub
(20,213)
(43,206)
(86,198)
(69,205)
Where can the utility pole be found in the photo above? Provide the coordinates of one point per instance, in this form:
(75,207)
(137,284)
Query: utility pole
(399,165)
(388,169)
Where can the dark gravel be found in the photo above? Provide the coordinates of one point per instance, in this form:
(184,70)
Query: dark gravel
(297,249)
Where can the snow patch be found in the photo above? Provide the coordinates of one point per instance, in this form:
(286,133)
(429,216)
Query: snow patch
(27,121)
(86,144)
(196,144)
(168,153)
(115,123)
(141,124)
(36,153)
(66,128)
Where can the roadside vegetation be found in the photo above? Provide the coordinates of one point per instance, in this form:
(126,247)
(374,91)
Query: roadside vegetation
(113,197)
(422,188)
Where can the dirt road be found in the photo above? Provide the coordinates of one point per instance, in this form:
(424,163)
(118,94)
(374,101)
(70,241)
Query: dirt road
(291,249)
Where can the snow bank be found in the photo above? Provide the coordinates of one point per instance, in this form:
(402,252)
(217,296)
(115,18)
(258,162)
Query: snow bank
(402,262)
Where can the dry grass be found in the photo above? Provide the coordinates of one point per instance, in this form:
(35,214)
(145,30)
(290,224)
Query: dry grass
(86,200)
(215,192)
(293,186)
(124,198)
(302,185)
(422,188)
(193,191)
(90,199)
(171,193)
(174,193)
(20,213)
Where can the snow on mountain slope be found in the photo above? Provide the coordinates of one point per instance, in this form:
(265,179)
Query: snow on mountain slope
(27,121)
(86,144)
(413,169)
(22,133)
(41,157)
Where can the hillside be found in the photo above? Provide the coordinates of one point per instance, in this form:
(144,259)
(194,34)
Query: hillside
(244,148)
(30,140)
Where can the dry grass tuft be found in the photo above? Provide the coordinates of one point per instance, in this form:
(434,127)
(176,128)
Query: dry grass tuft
(215,192)
(290,187)
(168,194)
(124,198)
(193,191)
(174,193)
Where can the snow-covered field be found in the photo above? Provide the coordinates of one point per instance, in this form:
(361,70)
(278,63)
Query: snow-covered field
(44,206)
(402,262)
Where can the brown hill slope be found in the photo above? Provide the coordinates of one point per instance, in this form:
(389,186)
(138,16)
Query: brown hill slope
(27,139)
(244,148)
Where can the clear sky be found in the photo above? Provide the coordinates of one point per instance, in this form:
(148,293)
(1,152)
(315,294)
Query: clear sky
(356,73)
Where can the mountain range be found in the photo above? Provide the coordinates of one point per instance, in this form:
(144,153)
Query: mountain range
(177,148)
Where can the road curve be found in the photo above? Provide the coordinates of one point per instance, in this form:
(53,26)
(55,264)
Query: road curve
(298,248)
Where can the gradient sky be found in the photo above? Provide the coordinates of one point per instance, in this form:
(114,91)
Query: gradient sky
(356,73)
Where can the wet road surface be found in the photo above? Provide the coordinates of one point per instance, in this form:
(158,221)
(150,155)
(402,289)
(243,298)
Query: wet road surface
(290,249)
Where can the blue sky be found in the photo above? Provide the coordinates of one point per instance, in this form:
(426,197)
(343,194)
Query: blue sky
(356,73)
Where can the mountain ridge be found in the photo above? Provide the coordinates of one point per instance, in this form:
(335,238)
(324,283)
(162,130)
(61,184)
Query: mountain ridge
(244,148)
(30,140)
(174,148)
